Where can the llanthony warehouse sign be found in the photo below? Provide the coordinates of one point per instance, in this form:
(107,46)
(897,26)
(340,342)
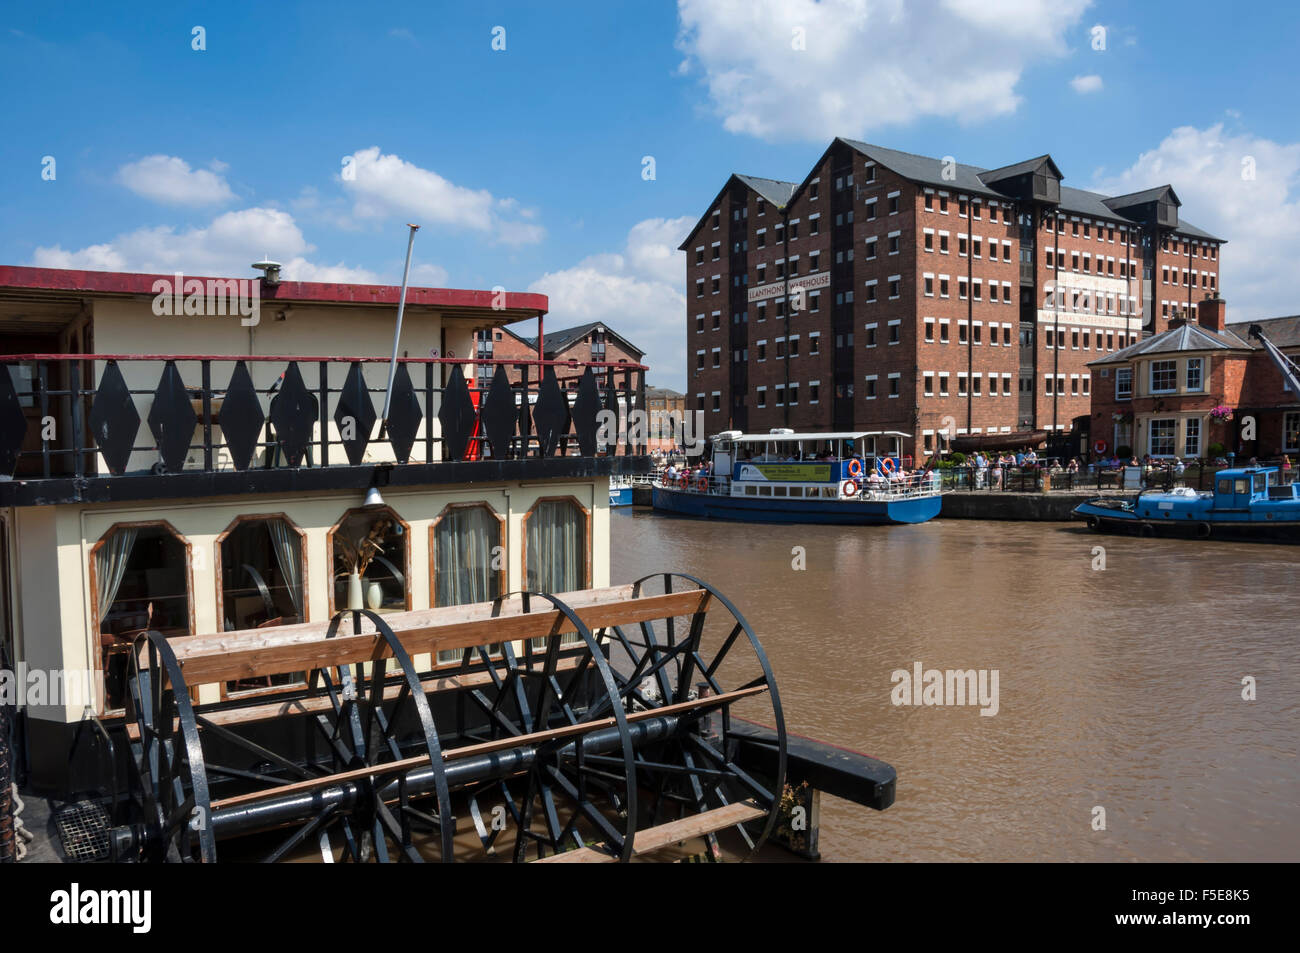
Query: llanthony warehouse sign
(807,283)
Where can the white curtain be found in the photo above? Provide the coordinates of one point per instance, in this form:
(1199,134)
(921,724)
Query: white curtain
(110,567)
(288,556)
(462,559)
(556,547)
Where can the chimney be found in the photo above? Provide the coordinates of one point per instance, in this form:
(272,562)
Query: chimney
(1212,312)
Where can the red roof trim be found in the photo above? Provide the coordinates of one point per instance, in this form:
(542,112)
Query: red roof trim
(127,283)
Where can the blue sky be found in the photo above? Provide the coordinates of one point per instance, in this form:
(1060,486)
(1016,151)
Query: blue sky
(524,165)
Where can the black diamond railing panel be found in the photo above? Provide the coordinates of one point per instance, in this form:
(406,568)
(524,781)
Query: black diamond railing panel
(241,417)
(499,414)
(114,421)
(355,415)
(457,416)
(586,413)
(551,415)
(293,415)
(404,415)
(172,419)
(13,424)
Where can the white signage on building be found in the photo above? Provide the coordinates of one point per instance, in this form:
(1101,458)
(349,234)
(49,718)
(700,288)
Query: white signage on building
(776,288)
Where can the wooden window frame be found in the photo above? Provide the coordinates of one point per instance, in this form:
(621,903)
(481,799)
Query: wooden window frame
(221,612)
(329,549)
(97,652)
(502,575)
(586,515)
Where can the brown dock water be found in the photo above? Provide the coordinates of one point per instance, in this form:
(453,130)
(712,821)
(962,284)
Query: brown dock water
(1118,688)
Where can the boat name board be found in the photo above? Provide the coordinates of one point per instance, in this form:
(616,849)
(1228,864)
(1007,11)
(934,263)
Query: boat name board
(806,472)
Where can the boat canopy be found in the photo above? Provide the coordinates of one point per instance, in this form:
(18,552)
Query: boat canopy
(802,437)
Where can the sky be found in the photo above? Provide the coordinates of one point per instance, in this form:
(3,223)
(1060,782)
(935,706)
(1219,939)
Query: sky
(568,148)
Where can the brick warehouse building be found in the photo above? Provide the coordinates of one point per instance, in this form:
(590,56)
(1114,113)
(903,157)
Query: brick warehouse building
(593,341)
(890,291)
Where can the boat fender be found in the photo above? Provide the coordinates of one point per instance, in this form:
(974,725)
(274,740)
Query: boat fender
(850,488)
(855,468)
(1094,524)
(1203,530)
(887,465)
(1146,529)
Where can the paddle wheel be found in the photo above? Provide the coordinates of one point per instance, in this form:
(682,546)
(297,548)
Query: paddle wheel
(594,726)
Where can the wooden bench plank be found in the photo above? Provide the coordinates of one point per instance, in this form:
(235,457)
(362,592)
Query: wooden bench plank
(234,656)
(656,838)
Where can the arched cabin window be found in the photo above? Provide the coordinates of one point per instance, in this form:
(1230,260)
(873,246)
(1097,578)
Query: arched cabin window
(467,549)
(373,541)
(261,584)
(557,550)
(140,579)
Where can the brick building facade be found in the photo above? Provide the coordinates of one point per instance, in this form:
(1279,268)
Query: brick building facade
(593,341)
(889,291)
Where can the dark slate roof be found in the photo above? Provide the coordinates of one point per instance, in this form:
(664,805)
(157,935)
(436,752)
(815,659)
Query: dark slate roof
(1141,198)
(557,341)
(1186,337)
(666,392)
(967,178)
(773,190)
(1283,332)
(1019,168)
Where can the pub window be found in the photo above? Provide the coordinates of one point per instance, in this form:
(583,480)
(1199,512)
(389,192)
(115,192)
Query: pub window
(141,581)
(371,562)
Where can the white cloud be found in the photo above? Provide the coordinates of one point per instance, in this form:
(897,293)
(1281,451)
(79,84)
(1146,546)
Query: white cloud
(1086,84)
(636,292)
(865,63)
(170,180)
(225,246)
(1211,171)
(387,186)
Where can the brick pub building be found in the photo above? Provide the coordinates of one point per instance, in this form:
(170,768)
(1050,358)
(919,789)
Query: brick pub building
(890,291)
(1157,396)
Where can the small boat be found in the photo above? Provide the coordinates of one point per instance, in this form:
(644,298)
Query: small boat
(620,491)
(788,477)
(1246,503)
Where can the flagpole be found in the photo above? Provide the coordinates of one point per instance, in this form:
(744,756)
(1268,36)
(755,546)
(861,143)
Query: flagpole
(397,332)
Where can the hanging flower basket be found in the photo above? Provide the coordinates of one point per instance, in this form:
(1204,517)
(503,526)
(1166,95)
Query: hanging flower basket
(1221,413)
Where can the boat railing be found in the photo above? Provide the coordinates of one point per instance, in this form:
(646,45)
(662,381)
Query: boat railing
(108,415)
(911,485)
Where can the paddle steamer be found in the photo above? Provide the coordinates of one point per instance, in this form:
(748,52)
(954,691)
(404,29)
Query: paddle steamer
(288,624)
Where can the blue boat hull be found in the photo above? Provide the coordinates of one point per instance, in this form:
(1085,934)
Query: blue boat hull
(757,510)
(622,496)
(1198,525)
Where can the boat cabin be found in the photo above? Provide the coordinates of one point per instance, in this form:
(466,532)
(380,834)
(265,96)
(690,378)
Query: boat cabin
(1240,494)
(803,465)
(196,473)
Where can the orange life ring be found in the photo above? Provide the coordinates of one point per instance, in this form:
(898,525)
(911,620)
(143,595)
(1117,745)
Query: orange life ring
(703,482)
(686,481)
(887,464)
(1099,446)
(851,488)
(855,467)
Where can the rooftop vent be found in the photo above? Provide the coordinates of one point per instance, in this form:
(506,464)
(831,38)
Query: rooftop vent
(270,271)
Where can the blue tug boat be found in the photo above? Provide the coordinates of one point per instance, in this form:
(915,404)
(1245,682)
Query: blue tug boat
(787,477)
(1246,503)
